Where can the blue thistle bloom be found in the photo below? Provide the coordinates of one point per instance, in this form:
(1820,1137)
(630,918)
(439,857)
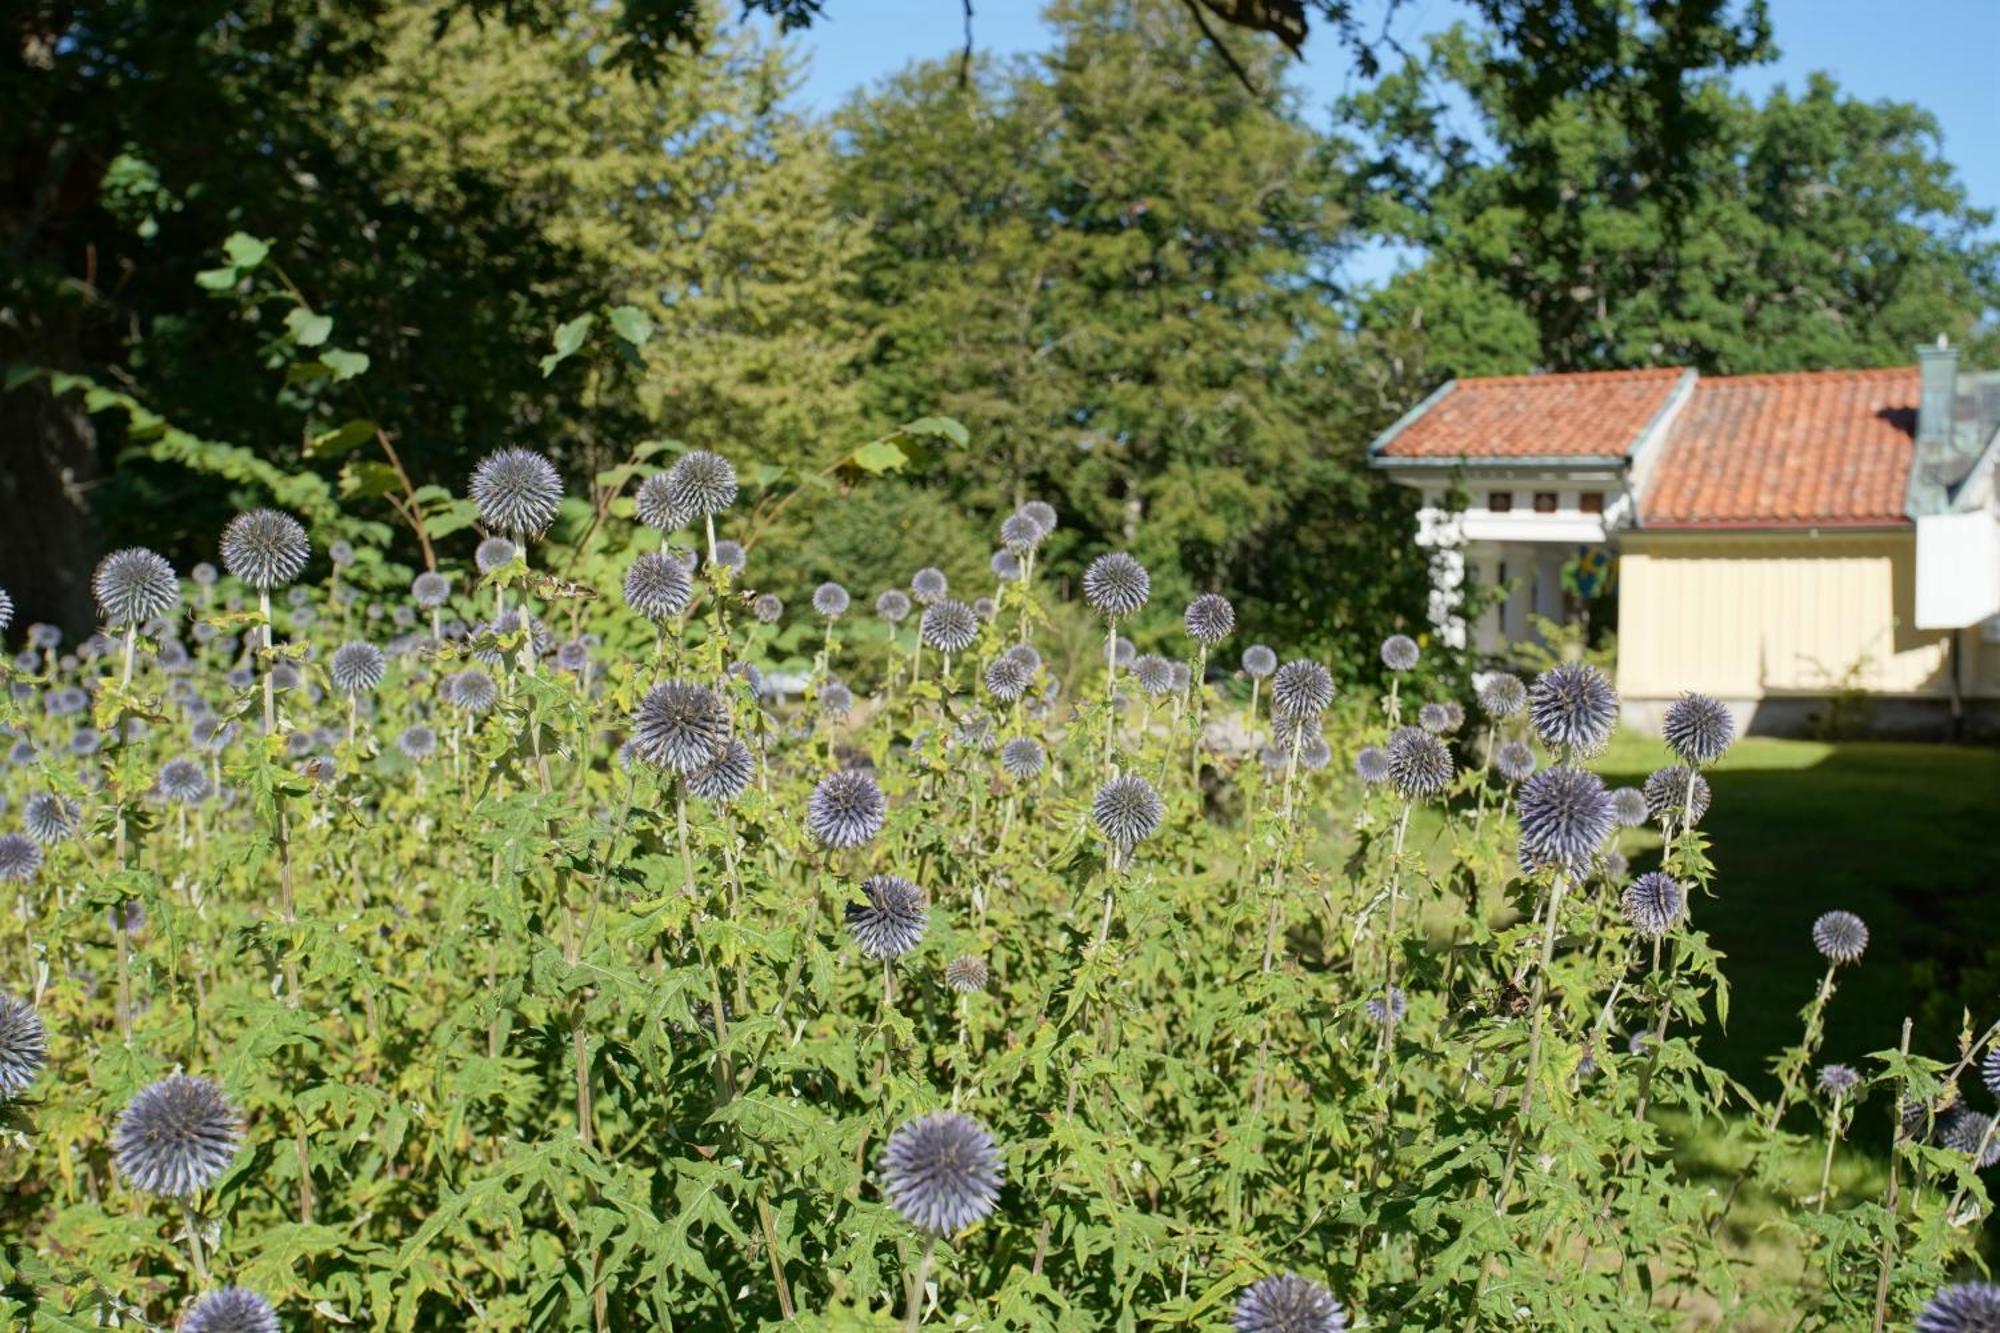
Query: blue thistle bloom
(493,553)
(1514,760)
(1005,678)
(830,600)
(1654,904)
(1127,811)
(49,818)
(1372,765)
(177,1137)
(1565,817)
(1259,661)
(1989,1070)
(681,726)
(134,585)
(517,492)
(893,605)
(1698,729)
(1434,717)
(891,920)
(657,586)
(1840,937)
(417,743)
(229,1310)
(1117,586)
(835,699)
(1628,807)
(726,777)
(942,1172)
(1020,534)
(767,607)
(1970,1132)
(966,974)
(731,556)
(846,809)
(1676,796)
(1419,764)
(1287,1303)
(1502,695)
(928,584)
(698,485)
(949,626)
(1022,758)
(1153,673)
(1041,514)
(24,1045)
(357,667)
(1968,1307)
(1209,619)
(266,548)
(183,781)
(1837,1080)
(20,859)
(1302,688)
(474,691)
(1380,1007)
(1573,708)
(1399,652)
(6,610)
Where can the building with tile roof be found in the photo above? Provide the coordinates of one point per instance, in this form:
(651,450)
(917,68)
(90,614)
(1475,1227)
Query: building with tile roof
(1810,547)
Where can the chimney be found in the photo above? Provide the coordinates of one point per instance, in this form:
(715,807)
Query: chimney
(1937,371)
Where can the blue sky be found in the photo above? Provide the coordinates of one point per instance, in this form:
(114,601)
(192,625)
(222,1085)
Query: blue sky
(1943,55)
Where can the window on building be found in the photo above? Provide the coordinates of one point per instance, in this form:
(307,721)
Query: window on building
(1591,502)
(1500,502)
(1545,502)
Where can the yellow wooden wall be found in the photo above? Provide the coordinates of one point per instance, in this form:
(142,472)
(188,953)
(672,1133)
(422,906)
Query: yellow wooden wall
(1745,616)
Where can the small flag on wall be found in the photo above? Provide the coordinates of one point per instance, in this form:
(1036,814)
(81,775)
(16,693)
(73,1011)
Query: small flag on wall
(1592,571)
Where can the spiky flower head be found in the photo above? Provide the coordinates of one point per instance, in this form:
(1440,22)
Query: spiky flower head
(176,1137)
(1419,764)
(229,1310)
(182,781)
(357,667)
(1116,585)
(1565,816)
(1614,866)
(50,818)
(573,655)
(846,809)
(1123,651)
(830,600)
(1698,729)
(949,626)
(1022,758)
(890,920)
(730,556)
(928,584)
(1005,678)
(1503,695)
(20,858)
(1837,1080)
(1209,619)
(1968,1307)
(1841,937)
(1127,810)
(266,548)
(1380,1007)
(1971,1133)
(1514,760)
(1573,708)
(132,586)
(1154,673)
(1006,566)
(1989,1070)
(657,586)
(835,699)
(1042,514)
(1259,661)
(6,610)
(942,1172)
(893,605)
(1435,718)
(1654,903)
(417,742)
(1373,765)
(966,974)
(492,553)
(1628,807)
(24,1045)
(474,690)
(700,483)
(681,726)
(430,590)
(84,741)
(767,607)
(654,504)
(1020,534)
(726,777)
(517,492)
(1399,652)
(1677,796)
(1288,1303)
(1302,688)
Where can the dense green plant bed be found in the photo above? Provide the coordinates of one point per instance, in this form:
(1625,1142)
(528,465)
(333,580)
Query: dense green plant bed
(642,950)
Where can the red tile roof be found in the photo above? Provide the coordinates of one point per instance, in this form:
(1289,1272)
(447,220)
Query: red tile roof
(1817,449)
(1590,415)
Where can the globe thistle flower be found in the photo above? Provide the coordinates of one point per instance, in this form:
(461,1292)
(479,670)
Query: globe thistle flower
(517,492)
(830,600)
(893,605)
(1154,674)
(681,726)
(657,586)
(1027,656)
(1968,1133)
(726,778)
(24,1045)
(1840,937)
(1127,811)
(1005,565)
(1314,754)
(6,610)
(1005,678)
(266,548)
(1989,1070)
(1123,651)
(182,781)
(846,809)
(46,637)
(1399,652)
(966,974)
(730,556)
(1638,1042)
(1041,514)
(85,741)
(1288,1303)
(985,608)
(698,485)
(949,626)
(1837,1080)
(1372,765)
(835,699)
(1514,760)
(493,553)
(1116,585)
(20,858)
(942,1172)
(1302,688)
(417,743)
(1573,708)
(891,921)
(1289,729)
(229,1310)
(1022,758)
(573,655)
(1654,903)
(1565,816)
(357,667)
(49,818)
(1420,764)
(300,743)
(1259,661)
(132,586)
(320,770)
(1668,798)
(1698,729)
(474,691)
(654,504)
(767,608)
(1502,695)
(1434,718)
(1209,619)
(1968,1307)
(1380,1007)
(928,584)
(1020,534)
(177,1137)
(297,598)
(1628,807)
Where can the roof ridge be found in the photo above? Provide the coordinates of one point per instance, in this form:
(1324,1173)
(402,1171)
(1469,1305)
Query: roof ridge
(1566,376)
